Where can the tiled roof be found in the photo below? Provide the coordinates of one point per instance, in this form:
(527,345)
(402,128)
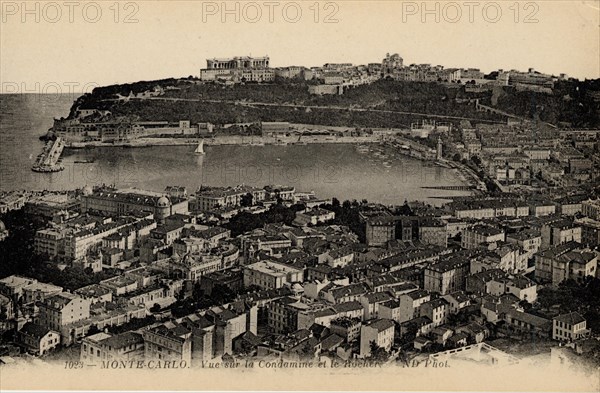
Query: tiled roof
(571,318)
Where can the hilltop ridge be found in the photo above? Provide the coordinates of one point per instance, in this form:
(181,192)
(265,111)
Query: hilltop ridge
(572,104)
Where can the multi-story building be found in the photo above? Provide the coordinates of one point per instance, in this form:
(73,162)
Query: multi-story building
(480,234)
(569,327)
(344,293)
(170,341)
(77,243)
(565,261)
(380,332)
(542,208)
(49,242)
(528,240)
(433,232)
(37,339)
(371,303)
(58,311)
(560,231)
(446,276)
(13,286)
(238,69)
(574,265)
(39,291)
(347,328)
(95,293)
(208,198)
(274,245)
(270,275)
(380,230)
(275,191)
(49,205)
(525,323)
(489,208)
(390,310)
(237,62)
(436,310)
(457,301)
(314,216)
(520,286)
(591,209)
(410,303)
(193,266)
(110,201)
(106,347)
(283,314)
(339,257)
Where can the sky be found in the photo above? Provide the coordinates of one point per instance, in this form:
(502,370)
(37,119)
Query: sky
(61,46)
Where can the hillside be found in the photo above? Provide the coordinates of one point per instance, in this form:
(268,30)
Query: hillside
(572,104)
(215,103)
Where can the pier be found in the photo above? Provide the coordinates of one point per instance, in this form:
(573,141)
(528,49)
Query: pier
(48,160)
(451,188)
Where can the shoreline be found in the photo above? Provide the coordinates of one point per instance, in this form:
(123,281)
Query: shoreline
(227,140)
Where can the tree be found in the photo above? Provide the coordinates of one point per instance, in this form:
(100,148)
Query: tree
(155,308)
(526,305)
(93,330)
(222,294)
(378,354)
(335,202)
(247,200)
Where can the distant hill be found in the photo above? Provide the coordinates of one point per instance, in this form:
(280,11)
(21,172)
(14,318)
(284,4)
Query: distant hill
(221,104)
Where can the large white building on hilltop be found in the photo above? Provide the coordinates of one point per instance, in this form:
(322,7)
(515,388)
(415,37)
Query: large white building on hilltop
(238,62)
(238,69)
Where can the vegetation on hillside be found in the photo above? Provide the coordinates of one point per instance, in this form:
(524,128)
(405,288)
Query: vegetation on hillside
(572,104)
(220,104)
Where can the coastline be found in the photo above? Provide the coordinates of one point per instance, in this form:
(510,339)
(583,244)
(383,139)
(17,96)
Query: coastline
(228,140)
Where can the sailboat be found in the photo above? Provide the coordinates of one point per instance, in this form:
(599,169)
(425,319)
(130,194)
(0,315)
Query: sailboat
(200,148)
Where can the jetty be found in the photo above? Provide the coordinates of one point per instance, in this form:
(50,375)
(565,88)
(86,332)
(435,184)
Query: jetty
(451,188)
(49,158)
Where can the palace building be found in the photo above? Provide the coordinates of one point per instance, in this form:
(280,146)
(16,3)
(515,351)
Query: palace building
(238,69)
(238,63)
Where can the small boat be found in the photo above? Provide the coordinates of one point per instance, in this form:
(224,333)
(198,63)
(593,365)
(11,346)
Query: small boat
(200,148)
(84,161)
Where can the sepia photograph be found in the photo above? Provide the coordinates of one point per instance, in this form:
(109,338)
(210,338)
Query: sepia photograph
(343,195)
